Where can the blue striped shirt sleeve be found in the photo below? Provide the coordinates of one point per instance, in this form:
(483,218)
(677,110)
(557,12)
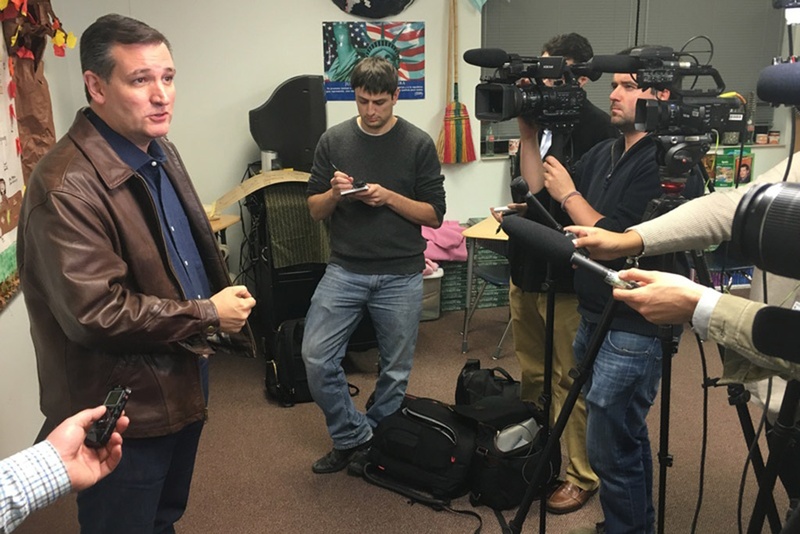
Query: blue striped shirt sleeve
(30,480)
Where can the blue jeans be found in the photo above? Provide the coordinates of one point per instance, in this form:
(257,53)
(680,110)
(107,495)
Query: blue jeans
(619,394)
(395,304)
(148,491)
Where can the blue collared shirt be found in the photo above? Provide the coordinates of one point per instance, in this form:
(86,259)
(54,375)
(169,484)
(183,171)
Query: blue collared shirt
(30,480)
(181,246)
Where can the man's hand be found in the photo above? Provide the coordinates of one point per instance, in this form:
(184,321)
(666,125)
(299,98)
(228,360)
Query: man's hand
(340,182)
(85,466)
(376,195)
(605,245)
(519,208)
(233,305)
(557,179)
(662,298)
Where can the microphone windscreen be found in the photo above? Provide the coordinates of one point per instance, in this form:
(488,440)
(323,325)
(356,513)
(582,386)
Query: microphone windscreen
(614,63)
(519,188)
(776,332)
(780,84)
(492,58)
(551,245)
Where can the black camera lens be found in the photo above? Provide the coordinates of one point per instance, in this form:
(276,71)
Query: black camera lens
(766,228)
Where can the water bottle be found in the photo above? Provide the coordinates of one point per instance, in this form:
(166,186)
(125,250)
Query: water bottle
(489,141)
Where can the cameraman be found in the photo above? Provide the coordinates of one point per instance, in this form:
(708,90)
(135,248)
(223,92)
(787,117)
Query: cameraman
(694,226)
(610,188)
(528,295)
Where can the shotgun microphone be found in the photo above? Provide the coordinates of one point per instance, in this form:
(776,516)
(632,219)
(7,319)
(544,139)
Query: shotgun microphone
(780,84)
(557,248)
(494,58)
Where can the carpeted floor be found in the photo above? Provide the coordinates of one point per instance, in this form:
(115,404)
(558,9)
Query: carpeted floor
(253,471)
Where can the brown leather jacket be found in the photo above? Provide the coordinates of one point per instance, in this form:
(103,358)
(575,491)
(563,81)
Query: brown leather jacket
(104,302)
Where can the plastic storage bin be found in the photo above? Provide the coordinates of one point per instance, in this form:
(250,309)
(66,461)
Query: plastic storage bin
(432,295)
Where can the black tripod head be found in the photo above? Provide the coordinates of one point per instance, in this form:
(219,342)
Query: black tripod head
(679,167)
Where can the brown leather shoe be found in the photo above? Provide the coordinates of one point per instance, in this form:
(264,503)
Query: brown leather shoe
(568,498)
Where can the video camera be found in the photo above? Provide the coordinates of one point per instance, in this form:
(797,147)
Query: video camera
(501,98)
(689,111)
(684,124)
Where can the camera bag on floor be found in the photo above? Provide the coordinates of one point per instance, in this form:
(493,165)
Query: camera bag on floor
(426,446)
(508,447)
(423,452)
(286,373)
(475,383)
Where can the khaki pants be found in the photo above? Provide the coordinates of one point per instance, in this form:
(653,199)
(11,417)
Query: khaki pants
(528,312)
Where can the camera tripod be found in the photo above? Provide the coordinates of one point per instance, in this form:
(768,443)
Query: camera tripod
(546,216)
(784,430)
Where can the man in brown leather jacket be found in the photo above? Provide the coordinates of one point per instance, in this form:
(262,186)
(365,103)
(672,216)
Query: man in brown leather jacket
(123,280)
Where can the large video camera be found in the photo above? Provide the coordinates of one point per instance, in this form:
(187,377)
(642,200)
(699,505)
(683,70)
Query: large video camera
(687,123)
(500,97)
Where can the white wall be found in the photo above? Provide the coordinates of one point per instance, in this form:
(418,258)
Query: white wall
(230,58)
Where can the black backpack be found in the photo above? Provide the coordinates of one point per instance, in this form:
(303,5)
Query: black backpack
(508,448)
(285,379)
(475,383)
(427,446)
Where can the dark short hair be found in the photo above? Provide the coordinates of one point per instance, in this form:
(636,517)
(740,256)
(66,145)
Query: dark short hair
(374,75)
(110,30)
(570,46)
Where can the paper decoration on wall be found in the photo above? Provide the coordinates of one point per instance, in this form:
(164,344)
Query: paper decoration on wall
(27,25)
(402,43)
(372,9)
(11,182)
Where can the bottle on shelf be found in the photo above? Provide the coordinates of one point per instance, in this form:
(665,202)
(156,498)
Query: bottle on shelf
(750,119)
(489,150)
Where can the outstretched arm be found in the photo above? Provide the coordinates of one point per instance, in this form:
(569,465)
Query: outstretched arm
(39,475)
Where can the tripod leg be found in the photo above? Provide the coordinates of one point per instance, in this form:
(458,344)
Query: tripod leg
(738,400)
(669,346)
(552,446)
(782,435)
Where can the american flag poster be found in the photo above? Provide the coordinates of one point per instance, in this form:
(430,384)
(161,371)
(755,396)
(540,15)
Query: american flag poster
(402,43)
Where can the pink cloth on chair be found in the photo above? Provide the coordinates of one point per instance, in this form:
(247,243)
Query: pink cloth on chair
(446,242)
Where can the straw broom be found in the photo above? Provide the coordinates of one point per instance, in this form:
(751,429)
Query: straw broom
(454,144)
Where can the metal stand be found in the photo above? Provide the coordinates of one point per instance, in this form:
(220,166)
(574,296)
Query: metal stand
(580,376)
(738,397)
(782,434)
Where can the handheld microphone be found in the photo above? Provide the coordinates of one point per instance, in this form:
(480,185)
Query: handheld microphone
(519,189)
(776,332)
(780,84)
(557,248)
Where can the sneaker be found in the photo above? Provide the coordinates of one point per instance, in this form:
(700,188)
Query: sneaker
(358,462)
(336,459)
